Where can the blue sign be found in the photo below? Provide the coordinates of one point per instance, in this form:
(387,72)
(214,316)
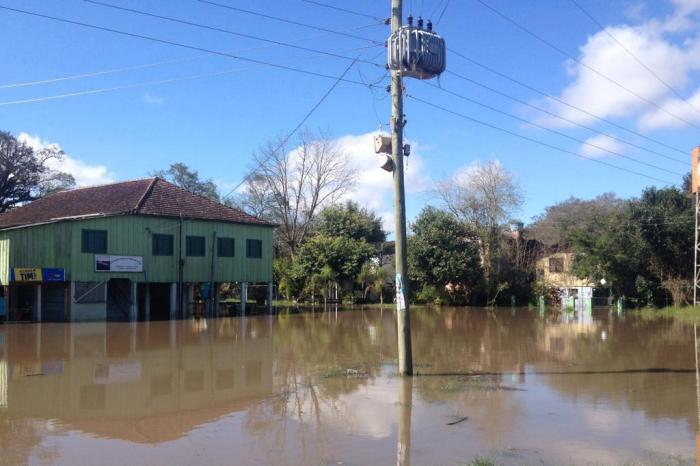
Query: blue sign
(53,275)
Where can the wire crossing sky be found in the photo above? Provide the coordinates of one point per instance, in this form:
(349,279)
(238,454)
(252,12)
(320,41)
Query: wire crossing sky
(588,97)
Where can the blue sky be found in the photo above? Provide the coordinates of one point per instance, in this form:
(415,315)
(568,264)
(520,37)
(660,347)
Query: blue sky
(214,123)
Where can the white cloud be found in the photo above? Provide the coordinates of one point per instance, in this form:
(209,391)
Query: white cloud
(84,173)
(600,145)
(374,188)
(152,99)
(685,109)
(663,46)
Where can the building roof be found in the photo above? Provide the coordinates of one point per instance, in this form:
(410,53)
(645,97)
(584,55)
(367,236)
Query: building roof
(149,196)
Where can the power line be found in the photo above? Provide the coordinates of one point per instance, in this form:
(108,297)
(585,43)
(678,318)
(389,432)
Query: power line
(153,65)
(590,68)
(296,128)
(567,120)
(228,31)
(563,102)
(536,141)
(437,23)
(178,44)
(631,54)
(141,84)
(289,21)
(352,12)
(95,73)
(435,10)
(553,131)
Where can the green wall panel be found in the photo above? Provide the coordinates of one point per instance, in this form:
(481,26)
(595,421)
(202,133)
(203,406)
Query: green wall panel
(59,245)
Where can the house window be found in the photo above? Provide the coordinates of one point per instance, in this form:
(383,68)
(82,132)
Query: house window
(226,247)
(195,246)
(253,248)
(556,265)
(94,241)
(162,245)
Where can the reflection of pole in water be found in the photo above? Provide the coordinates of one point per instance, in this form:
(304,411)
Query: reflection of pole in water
(403,448)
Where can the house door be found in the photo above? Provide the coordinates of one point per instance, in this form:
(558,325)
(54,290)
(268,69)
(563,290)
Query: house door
(160,301)
(23,302)
(118,299)
(53,303)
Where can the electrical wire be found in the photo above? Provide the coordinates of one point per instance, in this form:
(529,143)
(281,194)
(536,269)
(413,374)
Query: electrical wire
(296,128)
(437,23)
(352,12)
(637,59)
(177,44)
(435,10)
(553,131)
(590,68)
(227,31)
(144,84)
(559,117)
(289,21)
(155,64)
(536,141)
(563,102)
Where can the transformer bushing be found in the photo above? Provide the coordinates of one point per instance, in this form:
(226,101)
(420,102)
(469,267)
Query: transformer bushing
(417,52)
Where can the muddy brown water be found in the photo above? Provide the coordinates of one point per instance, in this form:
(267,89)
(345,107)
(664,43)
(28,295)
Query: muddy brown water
(510,386)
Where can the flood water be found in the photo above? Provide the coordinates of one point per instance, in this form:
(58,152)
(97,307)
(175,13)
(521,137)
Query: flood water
(511,386)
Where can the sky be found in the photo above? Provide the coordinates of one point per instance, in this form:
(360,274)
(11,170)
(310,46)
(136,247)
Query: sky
(123,106)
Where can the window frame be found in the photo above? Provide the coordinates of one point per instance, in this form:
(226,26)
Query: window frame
(189,245)
(556,265)
(155,241)
(88,241)
(220,249)
(249,251)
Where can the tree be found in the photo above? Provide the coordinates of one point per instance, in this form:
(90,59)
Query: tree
(290,187)
(664,218)
(373,277)
(442,251)
(343,256)
(351,221)
(484,197)
(187,178)
(25,174)
(643,247)
(555,227)
(611,252)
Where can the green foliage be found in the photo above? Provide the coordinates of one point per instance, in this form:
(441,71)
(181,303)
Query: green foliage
(186,178)
(643,248)
(350,221)
(337,257)
(442,252)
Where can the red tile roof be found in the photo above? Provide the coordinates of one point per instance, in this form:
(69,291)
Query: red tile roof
(150,196)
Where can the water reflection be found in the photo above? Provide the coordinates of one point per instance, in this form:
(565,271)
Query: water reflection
(321,388)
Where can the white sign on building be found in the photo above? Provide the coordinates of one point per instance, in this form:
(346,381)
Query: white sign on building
(104,263)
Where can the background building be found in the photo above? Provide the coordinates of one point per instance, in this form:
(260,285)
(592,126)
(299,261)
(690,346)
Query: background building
(143,249)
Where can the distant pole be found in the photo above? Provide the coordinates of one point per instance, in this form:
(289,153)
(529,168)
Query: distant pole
(695,266)
(695,187)
(403,320)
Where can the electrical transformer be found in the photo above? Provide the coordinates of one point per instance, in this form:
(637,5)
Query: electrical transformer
(417,52)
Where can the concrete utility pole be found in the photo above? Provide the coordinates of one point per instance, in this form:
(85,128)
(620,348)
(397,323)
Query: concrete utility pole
(403,320)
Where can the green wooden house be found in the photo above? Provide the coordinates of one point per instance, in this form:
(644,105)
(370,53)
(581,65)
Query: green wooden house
(143,249)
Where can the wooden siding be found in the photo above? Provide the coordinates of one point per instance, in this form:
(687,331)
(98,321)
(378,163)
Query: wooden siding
(59,245)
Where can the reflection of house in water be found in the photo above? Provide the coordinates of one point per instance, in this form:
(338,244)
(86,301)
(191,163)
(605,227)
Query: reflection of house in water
(559,339)
(147,383)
